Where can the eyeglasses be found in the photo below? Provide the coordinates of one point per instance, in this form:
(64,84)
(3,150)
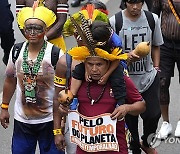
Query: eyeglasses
(34,29)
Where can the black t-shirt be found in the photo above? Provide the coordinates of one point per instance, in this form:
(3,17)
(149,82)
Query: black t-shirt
(116,80)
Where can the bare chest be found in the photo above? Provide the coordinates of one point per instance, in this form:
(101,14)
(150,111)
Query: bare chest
(50,4)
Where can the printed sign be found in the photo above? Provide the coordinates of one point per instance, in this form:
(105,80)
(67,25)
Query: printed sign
(93,134)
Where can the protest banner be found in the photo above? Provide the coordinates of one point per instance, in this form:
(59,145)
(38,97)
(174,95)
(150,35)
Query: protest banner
(93,134)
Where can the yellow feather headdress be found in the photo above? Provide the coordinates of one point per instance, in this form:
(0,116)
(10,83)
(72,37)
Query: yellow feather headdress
(42,13)
(80,22)
(91,49)
(81,53)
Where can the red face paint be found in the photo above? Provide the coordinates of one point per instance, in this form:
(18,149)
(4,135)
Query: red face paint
(38,36)
(33,31)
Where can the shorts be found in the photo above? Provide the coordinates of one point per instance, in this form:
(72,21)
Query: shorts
(169,55)
(26,136)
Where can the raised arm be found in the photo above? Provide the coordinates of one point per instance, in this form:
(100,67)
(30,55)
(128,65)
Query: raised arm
(62,10)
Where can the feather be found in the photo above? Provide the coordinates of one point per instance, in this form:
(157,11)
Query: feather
(85,13)
(116,51)
(88,34)
(98,15)
(104,54)
(85,33)
(79,53)
(90,9)
(35,5)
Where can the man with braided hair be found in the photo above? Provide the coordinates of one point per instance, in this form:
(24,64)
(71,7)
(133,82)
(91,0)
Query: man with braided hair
(60,8)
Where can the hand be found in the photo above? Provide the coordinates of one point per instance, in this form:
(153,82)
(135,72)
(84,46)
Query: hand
(119,112)
(59,142)
(88,77)
(4,118)
(132,57)
(157,68)
(63,110)
(103,79)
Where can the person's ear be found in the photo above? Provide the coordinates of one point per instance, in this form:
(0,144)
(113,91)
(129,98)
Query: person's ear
(23,29)
(46,29)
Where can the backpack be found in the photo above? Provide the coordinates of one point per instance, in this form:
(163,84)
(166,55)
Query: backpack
(54,53)
(119,21)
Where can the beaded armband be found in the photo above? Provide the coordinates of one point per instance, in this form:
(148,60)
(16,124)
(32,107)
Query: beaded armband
(57,131)
(19,7)
(59,82)
(4,106)
(63,8)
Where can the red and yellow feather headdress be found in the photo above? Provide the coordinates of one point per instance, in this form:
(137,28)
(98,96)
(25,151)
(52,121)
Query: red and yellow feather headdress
(90,14)
(83,52)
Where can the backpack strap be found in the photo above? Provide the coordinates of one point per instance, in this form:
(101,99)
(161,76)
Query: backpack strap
(118,22)
(150,20)
(54,56)
(16,50)
(54,53)
(68,71)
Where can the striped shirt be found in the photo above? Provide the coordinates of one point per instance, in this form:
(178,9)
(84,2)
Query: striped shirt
(55,6)
(169,25)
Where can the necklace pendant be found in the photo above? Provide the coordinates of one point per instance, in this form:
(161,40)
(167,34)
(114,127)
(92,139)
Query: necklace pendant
(92,101)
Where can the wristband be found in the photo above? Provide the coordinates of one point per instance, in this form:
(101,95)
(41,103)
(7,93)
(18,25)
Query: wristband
(4,106)
(59,81)
(57,131)
(157,68)
(62,8)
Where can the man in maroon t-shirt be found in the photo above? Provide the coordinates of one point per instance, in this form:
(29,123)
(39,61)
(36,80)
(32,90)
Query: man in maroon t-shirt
(104,102)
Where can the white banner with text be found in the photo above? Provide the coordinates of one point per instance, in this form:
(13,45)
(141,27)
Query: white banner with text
(93,134)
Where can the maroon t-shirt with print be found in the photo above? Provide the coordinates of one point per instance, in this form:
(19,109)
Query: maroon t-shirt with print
(106,104)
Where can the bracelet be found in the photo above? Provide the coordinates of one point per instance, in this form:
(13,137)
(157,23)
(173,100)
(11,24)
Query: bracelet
(57,131)
(59,81)
(4,106)
(157,68)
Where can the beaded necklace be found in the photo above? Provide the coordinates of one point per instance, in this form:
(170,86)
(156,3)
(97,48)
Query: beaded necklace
(30,73)
(98,98)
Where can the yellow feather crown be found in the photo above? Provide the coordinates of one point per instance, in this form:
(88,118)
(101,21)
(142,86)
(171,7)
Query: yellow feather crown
(42,13)
(81,53)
